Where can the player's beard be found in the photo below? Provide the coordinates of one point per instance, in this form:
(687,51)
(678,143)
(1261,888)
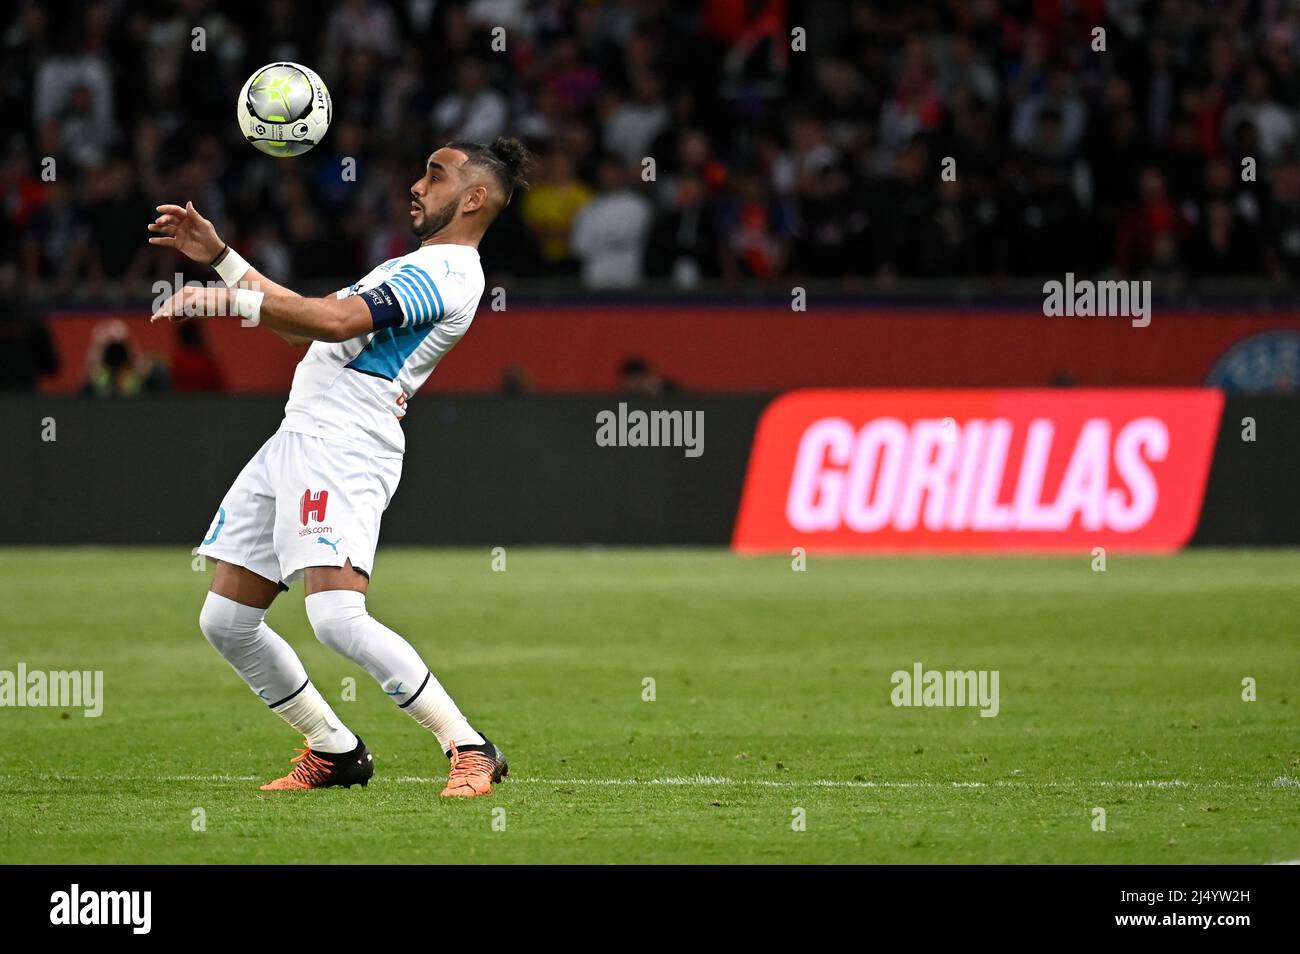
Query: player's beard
(434,222)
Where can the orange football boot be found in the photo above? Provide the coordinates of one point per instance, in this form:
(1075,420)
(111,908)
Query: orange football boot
(474,769)
(323,770)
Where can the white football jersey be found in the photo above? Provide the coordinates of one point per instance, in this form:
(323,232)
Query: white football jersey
(356,391)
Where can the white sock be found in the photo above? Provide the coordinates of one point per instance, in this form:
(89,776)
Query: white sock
(272,670)
(310,714)
(254,650)
(341,622)
(435,710)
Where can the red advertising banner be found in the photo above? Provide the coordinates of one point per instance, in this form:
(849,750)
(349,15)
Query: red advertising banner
(978,470)
(710,349)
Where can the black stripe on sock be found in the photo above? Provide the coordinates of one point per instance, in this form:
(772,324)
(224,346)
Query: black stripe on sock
(291,695)
(427,677)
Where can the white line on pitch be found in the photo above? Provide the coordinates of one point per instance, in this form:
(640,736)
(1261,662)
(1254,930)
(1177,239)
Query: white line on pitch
(708,781)
(714,781)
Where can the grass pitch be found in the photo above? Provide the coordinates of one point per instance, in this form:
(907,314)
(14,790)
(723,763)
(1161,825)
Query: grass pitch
(1119,690)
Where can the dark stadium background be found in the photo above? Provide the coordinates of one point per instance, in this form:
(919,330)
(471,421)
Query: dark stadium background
(797,153)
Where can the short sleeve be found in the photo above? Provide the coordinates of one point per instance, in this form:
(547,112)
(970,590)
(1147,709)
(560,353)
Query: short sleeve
(418,295)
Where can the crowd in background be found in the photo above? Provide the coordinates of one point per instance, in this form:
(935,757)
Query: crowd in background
(805,140)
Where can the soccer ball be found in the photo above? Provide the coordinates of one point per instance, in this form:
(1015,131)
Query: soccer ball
(284,109)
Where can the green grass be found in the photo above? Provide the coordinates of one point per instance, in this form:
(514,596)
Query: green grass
(1119,690)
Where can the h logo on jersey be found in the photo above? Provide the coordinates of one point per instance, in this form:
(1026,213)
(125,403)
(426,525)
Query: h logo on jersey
(313,505)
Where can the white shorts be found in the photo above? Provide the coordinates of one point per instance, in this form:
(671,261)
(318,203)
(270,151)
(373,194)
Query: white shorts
(303,501)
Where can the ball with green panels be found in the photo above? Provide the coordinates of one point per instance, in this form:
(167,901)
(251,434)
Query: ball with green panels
(284,109)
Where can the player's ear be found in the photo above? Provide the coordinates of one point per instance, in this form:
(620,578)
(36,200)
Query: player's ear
(475,199)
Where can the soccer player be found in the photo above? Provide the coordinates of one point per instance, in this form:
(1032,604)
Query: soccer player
(309,502)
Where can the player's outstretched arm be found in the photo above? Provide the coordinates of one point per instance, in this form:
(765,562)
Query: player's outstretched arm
(315,319)
(195,237)
(320,319)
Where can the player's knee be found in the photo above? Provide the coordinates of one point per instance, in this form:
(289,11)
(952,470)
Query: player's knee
(227,625)
(333,615)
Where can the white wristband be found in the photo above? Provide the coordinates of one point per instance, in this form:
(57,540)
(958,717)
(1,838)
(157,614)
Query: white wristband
(248,306)
(232,268)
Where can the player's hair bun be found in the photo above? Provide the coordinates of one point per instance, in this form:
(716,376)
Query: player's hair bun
(514,155)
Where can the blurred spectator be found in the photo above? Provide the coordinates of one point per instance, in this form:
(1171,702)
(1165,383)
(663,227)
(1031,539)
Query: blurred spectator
(272,255)
(1146,223)
(1273,124)
(1224,244)
(1284,220)
(687,151)
(21,195)
(516,380)
(1058,108)
(633,124)
(56,242)
(84,131)
(684,244)
(965,70)
(609,234)
(916,107)
(366,25)
(637,378)
(26,349)
(116,209)
(474,110)
(73,96)
(193,368)
(756,227)
(551,204)
(828,220)
(570,79)
(114,367)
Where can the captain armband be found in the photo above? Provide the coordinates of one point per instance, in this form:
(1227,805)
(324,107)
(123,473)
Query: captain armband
(383,305)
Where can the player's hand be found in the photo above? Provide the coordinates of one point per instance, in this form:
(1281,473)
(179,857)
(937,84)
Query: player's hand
(192,302)
(186,231)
